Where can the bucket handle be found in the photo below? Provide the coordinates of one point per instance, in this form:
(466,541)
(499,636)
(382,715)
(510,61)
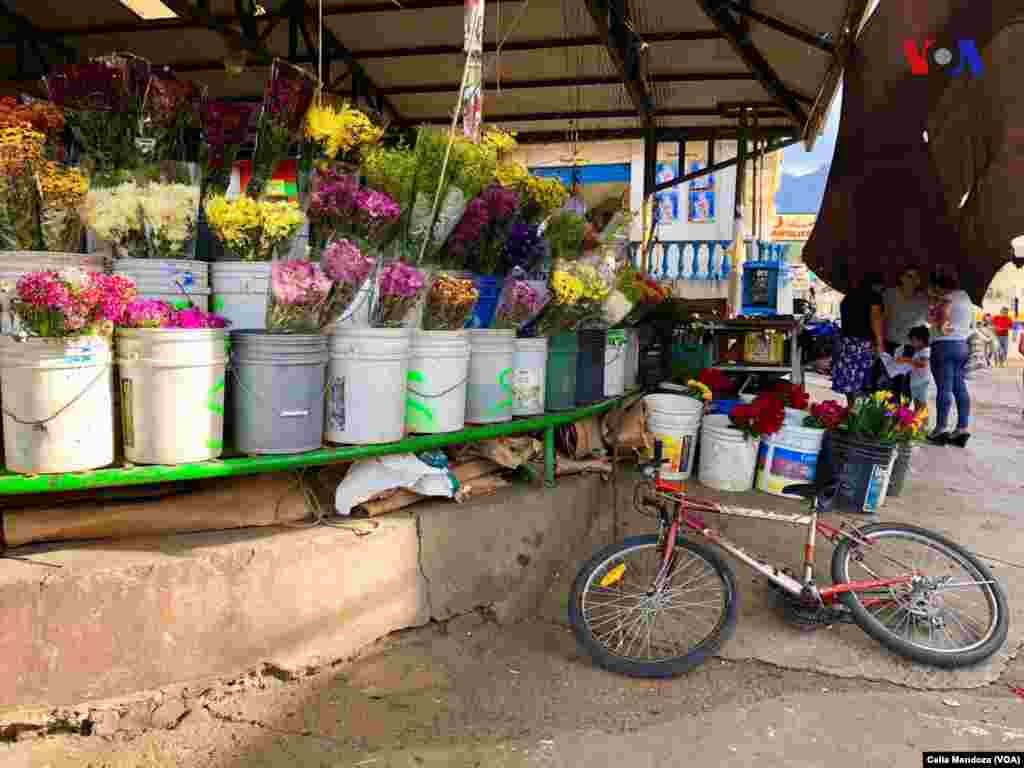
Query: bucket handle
(40,424)
(439,394)
(282,414)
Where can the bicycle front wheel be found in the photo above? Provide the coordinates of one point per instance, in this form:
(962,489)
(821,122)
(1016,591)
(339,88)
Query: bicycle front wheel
(629,627)
(952,613)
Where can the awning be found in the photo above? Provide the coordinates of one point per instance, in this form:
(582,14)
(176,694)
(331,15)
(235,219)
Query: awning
(928,168)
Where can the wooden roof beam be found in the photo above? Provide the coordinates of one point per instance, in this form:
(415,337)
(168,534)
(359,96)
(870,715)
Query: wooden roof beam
(613,21)
(720,13)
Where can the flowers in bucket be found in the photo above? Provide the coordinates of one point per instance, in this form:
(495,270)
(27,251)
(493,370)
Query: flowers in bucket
(340,133)
(286,99)
(883,417)
(565,232)
(155,313)
(299,294)
(21,150)
(115,215)
(596,290)
(253,229)
(169,213)
(479,239)
(342,208)
(792,395)
(698,390)
(541,196)
(525,247)
(226,127)
(764,416)
(71,302)
(643,292)
(399,287)
(718,382)
(347,267)
(520,303)
(450,302)
(62,191)
(829,414)
(562,313)
(172,109)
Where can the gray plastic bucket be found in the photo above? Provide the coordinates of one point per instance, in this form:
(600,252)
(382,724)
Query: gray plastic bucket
(277,382)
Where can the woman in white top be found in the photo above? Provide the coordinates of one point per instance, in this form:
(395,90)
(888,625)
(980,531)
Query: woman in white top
(952,320)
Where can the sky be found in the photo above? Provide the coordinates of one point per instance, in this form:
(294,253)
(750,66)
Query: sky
(798,162)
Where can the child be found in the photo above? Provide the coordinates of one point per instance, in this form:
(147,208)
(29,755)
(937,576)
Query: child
(920,363)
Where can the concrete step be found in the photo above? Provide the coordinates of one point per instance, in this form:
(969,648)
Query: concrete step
(120,617)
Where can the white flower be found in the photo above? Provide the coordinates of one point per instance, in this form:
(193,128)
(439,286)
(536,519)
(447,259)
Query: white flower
(75,277)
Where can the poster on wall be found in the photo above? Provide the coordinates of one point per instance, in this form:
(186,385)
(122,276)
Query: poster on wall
(666,210)
(701,196)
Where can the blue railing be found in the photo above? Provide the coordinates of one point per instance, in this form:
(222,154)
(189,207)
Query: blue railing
(707,260)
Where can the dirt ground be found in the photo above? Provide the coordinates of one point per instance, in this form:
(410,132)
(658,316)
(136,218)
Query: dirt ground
(474,693)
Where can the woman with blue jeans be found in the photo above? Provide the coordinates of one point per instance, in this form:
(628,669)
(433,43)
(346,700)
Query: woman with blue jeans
(952,322)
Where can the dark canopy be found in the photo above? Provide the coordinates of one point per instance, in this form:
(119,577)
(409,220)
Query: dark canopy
(894,198)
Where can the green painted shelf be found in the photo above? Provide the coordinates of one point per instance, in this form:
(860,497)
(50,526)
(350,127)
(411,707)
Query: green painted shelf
(111,477)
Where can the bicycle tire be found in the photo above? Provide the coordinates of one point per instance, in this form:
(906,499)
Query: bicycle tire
(877,630)
(668,668)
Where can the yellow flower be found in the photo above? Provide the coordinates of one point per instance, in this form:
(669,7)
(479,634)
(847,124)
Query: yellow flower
(883,396)
(340,130)
(511,174)
(501,141)
(253,228)
(549,194)
(699,389)
(568,288)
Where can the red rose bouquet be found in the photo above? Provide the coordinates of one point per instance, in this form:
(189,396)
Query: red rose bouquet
(764,416)
(718,382)
(792,395)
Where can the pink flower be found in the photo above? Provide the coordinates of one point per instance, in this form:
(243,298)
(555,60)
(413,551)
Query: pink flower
(148,313)
(343,262)
(402,280)
(299,282)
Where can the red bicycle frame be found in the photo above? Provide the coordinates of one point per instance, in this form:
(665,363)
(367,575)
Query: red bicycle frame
(689,514)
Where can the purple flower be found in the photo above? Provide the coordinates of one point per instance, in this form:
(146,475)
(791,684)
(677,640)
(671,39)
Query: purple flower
(524,247)
(401,280)
(288,98)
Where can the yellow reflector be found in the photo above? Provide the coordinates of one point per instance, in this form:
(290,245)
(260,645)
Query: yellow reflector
(614,576)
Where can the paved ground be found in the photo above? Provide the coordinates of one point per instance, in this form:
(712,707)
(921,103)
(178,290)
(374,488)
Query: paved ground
(476,693)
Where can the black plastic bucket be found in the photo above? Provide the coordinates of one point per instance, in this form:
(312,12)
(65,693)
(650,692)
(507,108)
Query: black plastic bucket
(590,367)
(900,470)
(863,469)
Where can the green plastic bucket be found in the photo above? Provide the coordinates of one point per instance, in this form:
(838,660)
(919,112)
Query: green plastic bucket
(560,378)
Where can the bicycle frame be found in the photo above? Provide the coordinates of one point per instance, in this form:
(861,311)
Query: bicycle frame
(689,515)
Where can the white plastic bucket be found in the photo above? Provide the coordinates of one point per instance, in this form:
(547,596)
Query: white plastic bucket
(241,291)
(529,365)
(168,280)
(788,457)
(728,458)
(490,396)
(172,394)
(615,364)
(366,385)
(632,375)
(16,264)
(438,372)
(794,418)
(674,420)
(58,407)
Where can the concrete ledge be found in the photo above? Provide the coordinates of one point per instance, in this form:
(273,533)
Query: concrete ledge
(127,616)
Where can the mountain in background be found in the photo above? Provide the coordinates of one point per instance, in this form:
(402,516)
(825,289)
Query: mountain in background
(802,194)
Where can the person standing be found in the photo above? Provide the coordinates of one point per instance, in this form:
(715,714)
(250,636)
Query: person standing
(906,308)
(918,356)
(861,338)
(1002,324)
(953,318)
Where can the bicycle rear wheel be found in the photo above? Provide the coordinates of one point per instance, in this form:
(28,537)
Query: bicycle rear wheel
(629,628)
(953,613)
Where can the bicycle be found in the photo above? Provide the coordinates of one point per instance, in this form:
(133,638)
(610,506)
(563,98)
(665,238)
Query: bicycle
(636,606)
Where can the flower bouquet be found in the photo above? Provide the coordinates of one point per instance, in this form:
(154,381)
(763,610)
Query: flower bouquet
(226,127)
(169,213)
(541,196)
(115,215)
(299,294)
(71,302)
(399,288)
(827,415)
(102,102)
(62,191)
(341,208)
(154,313)
(21,152)
(565,232)
(881,418)
(286,99)
(520,303)
(340,134)
(480,238)
(450,303)
(171,115)
(42,116)
(643,293)
(253,229)
(720,384)
(562,313)
(347,267)
(591,304)
(764,416)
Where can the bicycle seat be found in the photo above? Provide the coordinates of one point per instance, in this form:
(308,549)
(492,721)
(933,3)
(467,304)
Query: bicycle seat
(812,490)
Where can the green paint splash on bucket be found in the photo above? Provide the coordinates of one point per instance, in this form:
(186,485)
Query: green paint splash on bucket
(215,400)
(415,406)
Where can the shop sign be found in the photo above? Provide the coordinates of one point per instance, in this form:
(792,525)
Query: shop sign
(793,226)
